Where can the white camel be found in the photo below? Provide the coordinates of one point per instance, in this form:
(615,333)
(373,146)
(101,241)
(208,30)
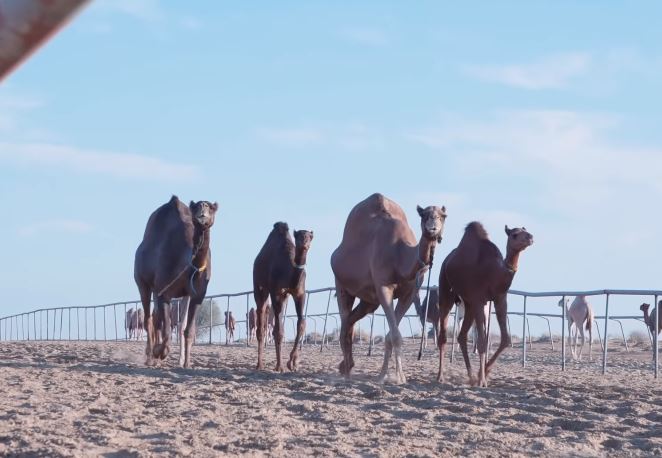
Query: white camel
(579,312)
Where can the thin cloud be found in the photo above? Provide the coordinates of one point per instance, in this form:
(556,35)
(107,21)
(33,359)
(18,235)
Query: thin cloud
(572,153)
(551,72)
(12,106)
(118,165)
(365,36)
(292,137)
(66,226)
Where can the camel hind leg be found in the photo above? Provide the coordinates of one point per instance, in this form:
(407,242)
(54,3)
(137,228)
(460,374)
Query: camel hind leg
(441,326)
(467,324)
(479,319)
(183,323)
(277,302)
(261,330)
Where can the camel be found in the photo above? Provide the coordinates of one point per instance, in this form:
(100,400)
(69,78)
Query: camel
(130,324)
(139,317)
(476,272)
(279,271)
(379,260)
(271,319)
(251,322)
(173,260)
(649,319)
(230,324)
(579,312)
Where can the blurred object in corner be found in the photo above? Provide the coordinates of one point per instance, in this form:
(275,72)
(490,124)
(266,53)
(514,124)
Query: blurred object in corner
(26,24)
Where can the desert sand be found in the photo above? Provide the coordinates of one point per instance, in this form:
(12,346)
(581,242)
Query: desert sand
(98,399)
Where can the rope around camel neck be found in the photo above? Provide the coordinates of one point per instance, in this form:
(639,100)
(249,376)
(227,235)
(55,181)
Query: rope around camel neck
(190,264)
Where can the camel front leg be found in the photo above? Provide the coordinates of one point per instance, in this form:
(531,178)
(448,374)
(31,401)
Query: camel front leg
(501,310)
(441,339)
(189,331)
(467,324)
(299,302)
(183,323)
(277,304)
(261,325)
(393,341)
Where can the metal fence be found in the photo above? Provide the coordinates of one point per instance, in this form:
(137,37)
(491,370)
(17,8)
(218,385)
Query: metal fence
(107,322)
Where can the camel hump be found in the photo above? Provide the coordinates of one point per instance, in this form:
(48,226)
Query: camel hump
(281,227)
(476,230)
(174,199)
(380,205)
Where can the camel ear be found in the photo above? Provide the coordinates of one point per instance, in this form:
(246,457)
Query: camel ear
(214,206)
(191,205)
(420,211)
(311,235)
(508,231)
(443,209)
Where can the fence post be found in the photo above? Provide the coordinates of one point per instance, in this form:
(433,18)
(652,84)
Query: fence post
(454,339)
(47,317)
(211,317)
(248,328)
(524,335)
(563,319)
(305,319)
(115,315)
(372,326)
(227,324)
(78,322)
(326,317)
(656,351)
(604,354)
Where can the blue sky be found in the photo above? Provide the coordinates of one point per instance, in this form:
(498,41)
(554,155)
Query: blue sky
(537,114)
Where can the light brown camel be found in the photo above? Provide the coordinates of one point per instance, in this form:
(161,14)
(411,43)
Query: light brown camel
(174,260)
(379,260)
(579,312)
(279,271)
(251,323)
(477,273)
(130,323)
(230,324)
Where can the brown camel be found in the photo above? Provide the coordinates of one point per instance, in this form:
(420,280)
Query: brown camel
(130,323)
(476,272)
(379,260)
(174,260)
(649,319)
(230,324)
(279,271)
(251,321)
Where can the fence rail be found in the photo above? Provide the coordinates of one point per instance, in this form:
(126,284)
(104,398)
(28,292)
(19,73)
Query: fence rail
(87,323)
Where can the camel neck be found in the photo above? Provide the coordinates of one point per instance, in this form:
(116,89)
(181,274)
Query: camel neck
(200,246)
(647,318)
(512,260)
(423,255)
(300,259)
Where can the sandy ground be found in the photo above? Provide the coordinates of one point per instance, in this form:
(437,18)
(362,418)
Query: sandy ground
(97,399)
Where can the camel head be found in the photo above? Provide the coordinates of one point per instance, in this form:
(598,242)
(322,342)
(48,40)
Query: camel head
(432,221)
(302,241)
(644,307)
(203,213)
(561,302)
(518,239)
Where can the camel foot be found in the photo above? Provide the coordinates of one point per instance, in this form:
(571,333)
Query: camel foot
(259,366)
(292,364)
(150,361)
(278,368)
(161,351)
(344,370)
(440,378)
(472,381)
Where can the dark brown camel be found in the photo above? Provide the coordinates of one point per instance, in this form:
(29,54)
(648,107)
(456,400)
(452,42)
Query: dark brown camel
(251,321)
(279,271)
(379,260)
(174,260)
(649,319)
(476,272)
